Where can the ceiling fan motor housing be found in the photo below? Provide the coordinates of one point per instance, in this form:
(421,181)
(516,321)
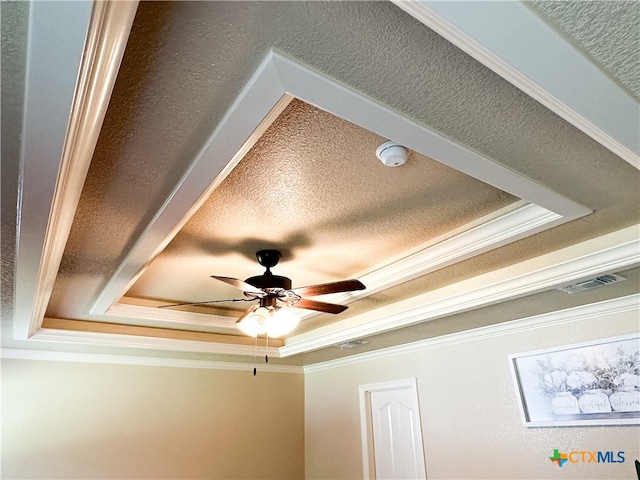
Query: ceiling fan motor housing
(268,259)
(269,280)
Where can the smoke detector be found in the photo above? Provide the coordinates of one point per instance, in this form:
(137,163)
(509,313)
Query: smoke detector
(391,154)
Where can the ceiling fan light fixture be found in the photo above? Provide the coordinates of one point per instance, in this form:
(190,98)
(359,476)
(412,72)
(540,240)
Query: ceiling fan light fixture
(254,321)
(272,321)
(281,322)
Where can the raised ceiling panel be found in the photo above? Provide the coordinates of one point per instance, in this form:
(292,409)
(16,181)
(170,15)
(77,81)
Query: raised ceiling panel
(313,188)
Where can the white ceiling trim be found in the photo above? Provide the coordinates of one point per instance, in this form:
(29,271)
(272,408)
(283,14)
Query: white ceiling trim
(173,318)
(549,271)
(560,317)
(507,228)
(101,358)
(513,41)
(78,337)
(51,71)
(81,41)
(278,79)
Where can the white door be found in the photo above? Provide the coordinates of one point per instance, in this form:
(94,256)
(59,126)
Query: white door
(392,436)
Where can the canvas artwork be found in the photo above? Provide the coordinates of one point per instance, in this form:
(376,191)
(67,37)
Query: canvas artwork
(594,383)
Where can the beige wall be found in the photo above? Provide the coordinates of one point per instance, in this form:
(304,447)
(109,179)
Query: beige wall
(471,423)
(79,420)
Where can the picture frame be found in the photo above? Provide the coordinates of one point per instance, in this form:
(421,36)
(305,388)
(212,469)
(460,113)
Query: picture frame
(589,383)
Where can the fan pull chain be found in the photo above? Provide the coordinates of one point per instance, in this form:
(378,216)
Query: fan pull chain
(266,355)
(255,354)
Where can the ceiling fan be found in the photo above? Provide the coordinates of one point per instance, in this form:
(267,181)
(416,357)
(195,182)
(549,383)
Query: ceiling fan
(274,293)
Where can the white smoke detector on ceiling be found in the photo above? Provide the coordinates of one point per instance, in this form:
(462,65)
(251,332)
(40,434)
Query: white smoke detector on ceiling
(391,154)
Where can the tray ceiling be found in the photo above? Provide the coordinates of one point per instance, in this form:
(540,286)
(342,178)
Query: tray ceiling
(238,126)
(312,187)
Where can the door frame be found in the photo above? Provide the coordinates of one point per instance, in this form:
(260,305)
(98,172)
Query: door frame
(368,462)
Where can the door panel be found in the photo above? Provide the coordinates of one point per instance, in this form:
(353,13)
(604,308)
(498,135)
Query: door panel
(393,437)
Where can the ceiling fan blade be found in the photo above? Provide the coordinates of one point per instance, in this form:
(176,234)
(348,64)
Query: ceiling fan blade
(319,306)
(333,287)
(244,286)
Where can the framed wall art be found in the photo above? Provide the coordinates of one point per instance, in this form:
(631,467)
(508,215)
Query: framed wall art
(592,383)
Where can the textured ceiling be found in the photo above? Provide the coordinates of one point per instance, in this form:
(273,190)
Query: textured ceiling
(608,32)
(13,54)
(181,53)
(311,185)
